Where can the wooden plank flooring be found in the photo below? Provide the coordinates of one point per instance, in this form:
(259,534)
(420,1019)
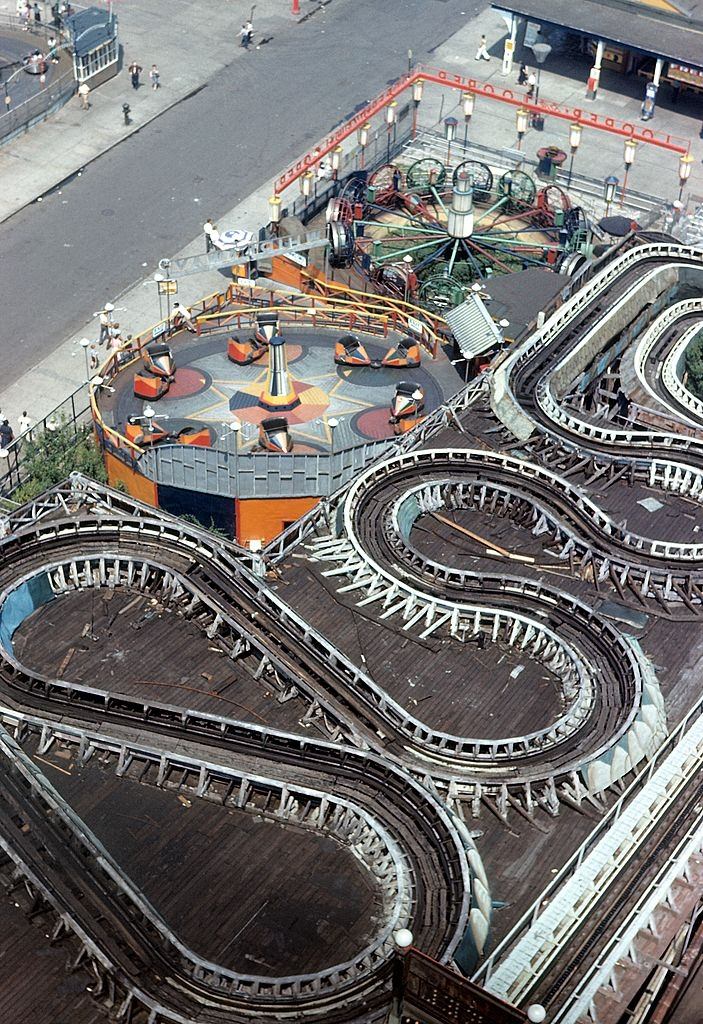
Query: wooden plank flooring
(246,892)
(450,686)
(147,651)
(35,987)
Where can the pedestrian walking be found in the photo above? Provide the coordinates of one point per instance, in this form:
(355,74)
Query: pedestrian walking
(6,434)
(53,49)
(531,83)
(56,15)
(208,228)
(84,93)
(482,53)
(182,315)
(24,423)
(522,74)
(245,33)
(25,15)
(106,323)
(154,77)
(37,14)
(135,71)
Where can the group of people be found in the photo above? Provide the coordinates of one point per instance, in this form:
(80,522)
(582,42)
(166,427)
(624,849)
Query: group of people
(28,12)
(526,76)
(245,34)
(7,434)
(135,71)
(212,236)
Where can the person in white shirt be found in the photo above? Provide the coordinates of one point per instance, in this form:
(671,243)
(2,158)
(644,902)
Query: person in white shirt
(182,315)
(208,228)
(24,423)
(106,322)
(482,52)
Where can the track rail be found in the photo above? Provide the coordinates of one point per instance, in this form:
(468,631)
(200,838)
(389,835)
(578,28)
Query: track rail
(433,879)
(525,388)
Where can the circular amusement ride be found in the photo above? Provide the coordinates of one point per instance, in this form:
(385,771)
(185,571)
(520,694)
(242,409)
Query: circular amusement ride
(427,233)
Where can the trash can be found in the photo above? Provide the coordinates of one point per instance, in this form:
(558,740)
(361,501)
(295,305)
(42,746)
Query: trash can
(546,167)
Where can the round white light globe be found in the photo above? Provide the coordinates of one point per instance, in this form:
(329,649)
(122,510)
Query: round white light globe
(536,1013)
(403,938)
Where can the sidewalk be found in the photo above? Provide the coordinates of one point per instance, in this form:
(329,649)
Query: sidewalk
(493,124)
(162,32)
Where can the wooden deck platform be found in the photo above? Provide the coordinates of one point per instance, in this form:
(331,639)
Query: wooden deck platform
(127,642)
(453,687)
(246,892)
(35,987)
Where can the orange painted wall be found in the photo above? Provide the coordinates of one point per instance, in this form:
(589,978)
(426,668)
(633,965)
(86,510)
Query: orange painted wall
(286,272)
(264,518)
(137,485)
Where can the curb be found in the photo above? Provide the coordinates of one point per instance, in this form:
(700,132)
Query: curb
(133,131)
(81,167)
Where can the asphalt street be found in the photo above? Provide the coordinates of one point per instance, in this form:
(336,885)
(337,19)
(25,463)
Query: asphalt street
(62,258)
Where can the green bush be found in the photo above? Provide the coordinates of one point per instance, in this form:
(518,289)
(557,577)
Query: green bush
(50,457)
(694,366)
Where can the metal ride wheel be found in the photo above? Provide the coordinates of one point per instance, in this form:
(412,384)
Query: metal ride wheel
(576,224)
(383,181)
(440,292)
(520,190)
(554,199)
(354,190)
(481,178)
(390,281)
(339,209)
(425,174)
(341,238)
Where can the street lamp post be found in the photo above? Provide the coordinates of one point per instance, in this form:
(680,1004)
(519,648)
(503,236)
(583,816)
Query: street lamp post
(417,99)
(336,161)
(85,345)
(450,124)
(541,52)
(685,164)
(408,261)
(467,105)
(521,119)
(275,214)
(306,183)
(574,141)
(610,187)
(332,423)
(158,278)
(363,137)
(629,159)
(390,122)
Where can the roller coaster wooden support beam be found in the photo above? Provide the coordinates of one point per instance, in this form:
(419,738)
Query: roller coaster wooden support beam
(587,118)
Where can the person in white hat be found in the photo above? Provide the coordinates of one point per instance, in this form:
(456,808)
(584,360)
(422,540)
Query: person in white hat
(106,323)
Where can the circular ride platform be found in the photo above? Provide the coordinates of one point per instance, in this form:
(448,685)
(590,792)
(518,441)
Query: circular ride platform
(210,390)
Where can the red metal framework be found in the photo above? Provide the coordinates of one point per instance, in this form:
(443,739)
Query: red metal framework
(448,79)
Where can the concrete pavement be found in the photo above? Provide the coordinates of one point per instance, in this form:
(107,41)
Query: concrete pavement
(493,124)
(189,50)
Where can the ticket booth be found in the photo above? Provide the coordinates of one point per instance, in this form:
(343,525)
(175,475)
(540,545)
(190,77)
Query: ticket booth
(95,45)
